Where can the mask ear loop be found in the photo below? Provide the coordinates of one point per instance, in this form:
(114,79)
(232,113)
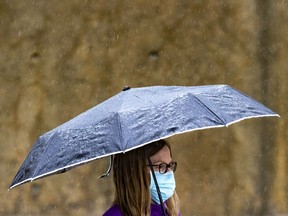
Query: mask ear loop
(157,186)
(109,168)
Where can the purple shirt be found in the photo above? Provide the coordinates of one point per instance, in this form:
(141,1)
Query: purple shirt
(115,210)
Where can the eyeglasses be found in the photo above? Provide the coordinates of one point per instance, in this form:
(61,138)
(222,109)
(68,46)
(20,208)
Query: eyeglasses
(163,167)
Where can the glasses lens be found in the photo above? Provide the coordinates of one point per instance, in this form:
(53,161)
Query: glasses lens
(173,166)
(162,168)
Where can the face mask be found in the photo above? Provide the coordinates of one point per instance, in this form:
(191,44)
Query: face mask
(166,184)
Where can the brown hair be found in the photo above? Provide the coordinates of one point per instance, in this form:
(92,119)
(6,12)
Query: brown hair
(132,181)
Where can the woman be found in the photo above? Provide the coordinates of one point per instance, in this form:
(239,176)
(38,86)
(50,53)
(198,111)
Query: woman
(136,193)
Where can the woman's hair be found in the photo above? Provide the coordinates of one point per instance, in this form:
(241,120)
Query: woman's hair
(132,181)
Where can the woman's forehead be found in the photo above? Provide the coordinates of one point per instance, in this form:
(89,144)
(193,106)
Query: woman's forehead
(164,155)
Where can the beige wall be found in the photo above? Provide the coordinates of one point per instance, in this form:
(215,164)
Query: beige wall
(59,58)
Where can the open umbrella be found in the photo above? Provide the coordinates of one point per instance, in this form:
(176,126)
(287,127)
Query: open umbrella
(133,118)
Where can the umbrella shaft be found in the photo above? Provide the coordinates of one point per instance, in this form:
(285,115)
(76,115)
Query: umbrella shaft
(157,187)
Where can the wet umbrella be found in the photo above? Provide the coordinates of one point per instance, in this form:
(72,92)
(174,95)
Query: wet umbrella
(133,118)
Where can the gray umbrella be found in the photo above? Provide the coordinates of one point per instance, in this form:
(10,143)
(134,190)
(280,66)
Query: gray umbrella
(133,118)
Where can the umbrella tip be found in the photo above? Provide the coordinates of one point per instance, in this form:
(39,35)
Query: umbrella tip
(126,88)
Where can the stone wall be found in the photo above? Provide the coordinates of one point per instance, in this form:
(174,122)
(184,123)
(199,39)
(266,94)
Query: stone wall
(59,58)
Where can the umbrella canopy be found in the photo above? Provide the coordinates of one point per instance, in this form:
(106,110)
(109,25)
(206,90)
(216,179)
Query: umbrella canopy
(133,118)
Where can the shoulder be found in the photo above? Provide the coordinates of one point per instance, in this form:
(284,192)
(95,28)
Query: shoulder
(113,211)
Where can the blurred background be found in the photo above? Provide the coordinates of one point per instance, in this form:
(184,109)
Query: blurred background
(60,58)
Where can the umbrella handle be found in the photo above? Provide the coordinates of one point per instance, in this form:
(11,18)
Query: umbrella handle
(109,168)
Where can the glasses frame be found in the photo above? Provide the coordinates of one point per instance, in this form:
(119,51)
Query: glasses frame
(172,164)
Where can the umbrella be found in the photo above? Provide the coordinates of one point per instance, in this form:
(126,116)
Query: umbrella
(133,118)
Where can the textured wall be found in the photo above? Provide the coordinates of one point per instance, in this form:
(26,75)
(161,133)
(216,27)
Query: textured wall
(59,58)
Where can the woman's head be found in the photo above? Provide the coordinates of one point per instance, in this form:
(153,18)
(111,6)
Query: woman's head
(132,177)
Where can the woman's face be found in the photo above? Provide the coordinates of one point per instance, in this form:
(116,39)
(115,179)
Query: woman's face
(163,156)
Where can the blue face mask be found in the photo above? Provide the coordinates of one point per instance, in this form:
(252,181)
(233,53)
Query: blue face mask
(166,184)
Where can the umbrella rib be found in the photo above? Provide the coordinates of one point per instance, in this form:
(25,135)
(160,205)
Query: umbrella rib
(120,130)
(223,122)
(44,153)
